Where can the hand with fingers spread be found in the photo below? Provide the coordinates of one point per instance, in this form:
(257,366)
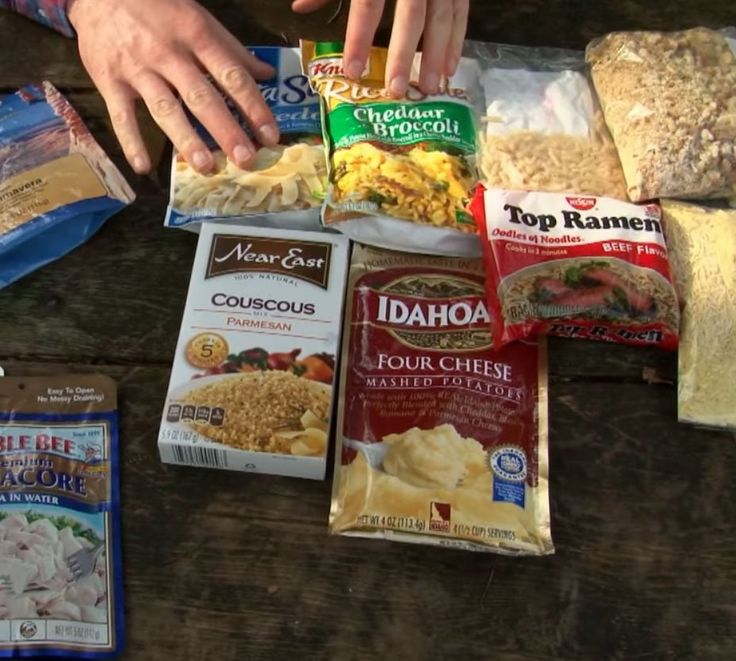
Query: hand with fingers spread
(158,50)
(441,24)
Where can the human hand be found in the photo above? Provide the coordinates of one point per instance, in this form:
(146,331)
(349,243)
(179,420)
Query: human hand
(153,49)
(441,23)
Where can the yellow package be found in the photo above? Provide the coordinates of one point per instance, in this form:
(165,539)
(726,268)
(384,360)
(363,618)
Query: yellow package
(402,171)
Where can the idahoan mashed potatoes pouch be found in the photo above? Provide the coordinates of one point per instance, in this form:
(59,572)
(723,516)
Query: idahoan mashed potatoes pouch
(441,440)
(401,171)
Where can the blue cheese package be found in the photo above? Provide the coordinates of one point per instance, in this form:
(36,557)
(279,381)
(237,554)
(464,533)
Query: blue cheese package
(285,184)
(60,560)
(57,186)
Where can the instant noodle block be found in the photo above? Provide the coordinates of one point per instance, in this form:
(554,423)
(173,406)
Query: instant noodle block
(440,439)
(669,99)
(251,386)
(576,266)
(285,184)
(61,581)
(402,171)
(702,243)
(57,186)
(542,128)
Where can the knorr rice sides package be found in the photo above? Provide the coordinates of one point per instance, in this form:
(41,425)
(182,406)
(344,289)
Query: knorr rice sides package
(576,266)
(401,171)
(60,564)
(440,439)
(285,184)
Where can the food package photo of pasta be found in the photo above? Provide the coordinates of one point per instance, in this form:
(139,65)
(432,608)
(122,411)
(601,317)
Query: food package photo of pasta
(285,184)
(402,171)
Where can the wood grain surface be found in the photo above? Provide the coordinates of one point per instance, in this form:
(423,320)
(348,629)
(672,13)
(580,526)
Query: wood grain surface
(223,565)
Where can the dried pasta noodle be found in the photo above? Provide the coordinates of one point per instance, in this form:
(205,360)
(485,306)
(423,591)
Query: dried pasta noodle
(282,178)
(528,160)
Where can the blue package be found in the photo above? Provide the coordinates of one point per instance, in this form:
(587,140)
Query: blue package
(284,186)
(57,185)
(60,560)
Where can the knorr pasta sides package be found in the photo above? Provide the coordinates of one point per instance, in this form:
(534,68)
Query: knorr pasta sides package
(402,171)
(252,380)
(284,186)
(440,439)
(60,564)
(57,186)
(576,266)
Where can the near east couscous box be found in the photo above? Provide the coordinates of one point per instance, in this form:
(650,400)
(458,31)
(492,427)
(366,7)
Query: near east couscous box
(252,380)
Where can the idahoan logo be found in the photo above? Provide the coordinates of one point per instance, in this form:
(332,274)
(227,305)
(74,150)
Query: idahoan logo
(309,261)
(434,312)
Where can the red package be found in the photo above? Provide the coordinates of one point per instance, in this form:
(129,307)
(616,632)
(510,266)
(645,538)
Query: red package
(576,266)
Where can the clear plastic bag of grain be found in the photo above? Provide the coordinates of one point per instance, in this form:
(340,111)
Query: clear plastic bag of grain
(669,99)
(542,128)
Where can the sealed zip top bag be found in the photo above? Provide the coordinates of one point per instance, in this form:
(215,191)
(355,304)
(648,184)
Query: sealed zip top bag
(61,582)
(57,186)
(541,128)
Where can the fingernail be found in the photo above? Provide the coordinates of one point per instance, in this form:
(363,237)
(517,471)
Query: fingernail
(354,69)
(269,134)
(200,160)
(398,85)
(431,82)
(140,164)
(452,65)
(242,154)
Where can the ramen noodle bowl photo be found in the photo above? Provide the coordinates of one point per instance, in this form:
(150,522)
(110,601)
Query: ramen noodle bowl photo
(602,289)
(576,266)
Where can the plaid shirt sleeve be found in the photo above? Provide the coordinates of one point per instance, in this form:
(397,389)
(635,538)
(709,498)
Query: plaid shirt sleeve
(51,13)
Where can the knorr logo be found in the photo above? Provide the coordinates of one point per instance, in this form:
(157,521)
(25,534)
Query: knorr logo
(309,261)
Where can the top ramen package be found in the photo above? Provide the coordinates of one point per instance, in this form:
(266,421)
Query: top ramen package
(542,129)
(57,186)
(669,99)
(285,184)
(60,564)
(441,440)
(402,171)
(576,266)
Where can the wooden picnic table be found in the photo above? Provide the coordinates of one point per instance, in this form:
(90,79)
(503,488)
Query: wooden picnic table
(225,565)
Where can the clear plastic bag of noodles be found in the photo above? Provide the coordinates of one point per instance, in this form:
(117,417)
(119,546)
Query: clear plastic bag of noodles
(285,184)
(702,246)
(440,439)
(541,127)
(669,99)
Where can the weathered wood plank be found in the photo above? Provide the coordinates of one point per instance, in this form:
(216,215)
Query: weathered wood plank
(567,23)
(227,565)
